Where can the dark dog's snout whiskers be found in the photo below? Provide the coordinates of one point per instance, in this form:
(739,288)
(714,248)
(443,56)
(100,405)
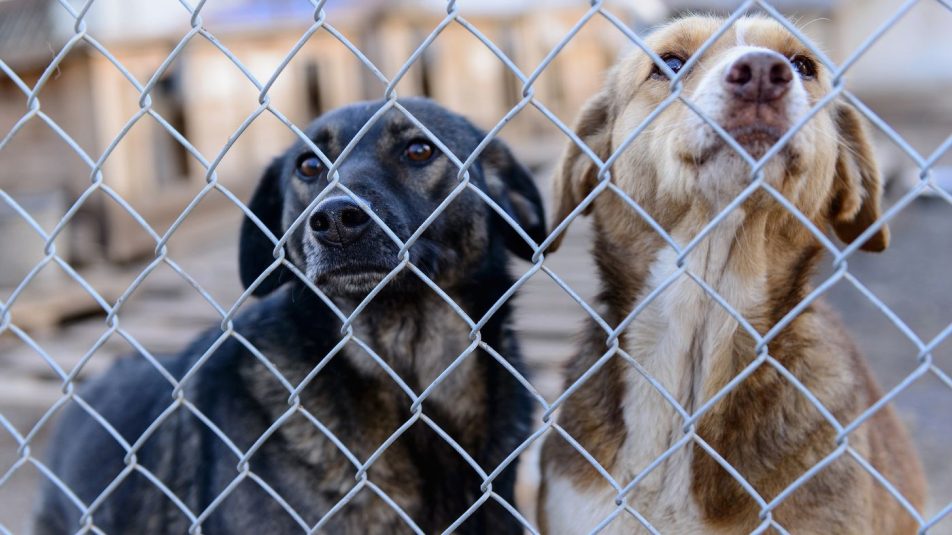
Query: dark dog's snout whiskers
(338,221)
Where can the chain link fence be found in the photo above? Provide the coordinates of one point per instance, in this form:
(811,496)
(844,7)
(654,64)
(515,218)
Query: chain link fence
(527,99)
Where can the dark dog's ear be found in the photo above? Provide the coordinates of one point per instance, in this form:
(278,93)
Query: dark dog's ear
(576,175)
(255,248)
(513,189)
(857,184)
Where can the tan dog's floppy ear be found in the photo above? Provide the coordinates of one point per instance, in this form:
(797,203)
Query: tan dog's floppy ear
(857,185)
(576,175)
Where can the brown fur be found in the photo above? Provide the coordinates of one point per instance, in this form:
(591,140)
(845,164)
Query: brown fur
(765,428)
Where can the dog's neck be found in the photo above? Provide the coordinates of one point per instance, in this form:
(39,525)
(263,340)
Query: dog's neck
(745,262)
(418,338)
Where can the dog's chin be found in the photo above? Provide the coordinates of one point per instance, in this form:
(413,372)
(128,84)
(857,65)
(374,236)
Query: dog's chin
(755,139)
(722,173)
(350,280)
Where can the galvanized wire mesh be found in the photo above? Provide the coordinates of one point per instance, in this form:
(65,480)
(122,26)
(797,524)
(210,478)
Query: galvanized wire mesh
(454,16)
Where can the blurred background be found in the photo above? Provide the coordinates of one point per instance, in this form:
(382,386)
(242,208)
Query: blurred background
(905,78)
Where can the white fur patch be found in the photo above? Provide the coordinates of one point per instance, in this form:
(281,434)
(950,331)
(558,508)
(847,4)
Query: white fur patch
(676,339)
(740,31)
(570,511)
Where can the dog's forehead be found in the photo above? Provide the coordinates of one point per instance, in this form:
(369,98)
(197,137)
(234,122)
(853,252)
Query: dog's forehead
(340,126)
(767,33)
(686,36)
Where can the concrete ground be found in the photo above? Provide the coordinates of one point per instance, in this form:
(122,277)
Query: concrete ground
(912,278)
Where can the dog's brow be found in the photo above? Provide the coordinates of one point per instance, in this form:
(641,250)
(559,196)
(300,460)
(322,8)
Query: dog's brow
(401,129)
(323,136)
(680,41)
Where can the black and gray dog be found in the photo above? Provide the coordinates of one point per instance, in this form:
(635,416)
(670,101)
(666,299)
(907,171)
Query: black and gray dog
(352,405)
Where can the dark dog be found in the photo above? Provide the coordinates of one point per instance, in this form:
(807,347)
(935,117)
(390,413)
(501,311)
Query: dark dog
(242,453)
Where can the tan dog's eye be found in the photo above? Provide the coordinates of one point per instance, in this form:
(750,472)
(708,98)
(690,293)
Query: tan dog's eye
(673,61)
(803,66)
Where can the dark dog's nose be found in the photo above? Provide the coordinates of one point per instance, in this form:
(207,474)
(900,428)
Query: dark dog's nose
(759,77)
(338,221)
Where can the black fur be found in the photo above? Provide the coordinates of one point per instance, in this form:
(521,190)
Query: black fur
(480,405)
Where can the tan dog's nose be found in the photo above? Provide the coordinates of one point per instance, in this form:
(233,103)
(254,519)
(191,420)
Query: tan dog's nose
(759,76)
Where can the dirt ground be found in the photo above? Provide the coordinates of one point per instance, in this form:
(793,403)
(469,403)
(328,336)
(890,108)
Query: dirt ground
(912,279)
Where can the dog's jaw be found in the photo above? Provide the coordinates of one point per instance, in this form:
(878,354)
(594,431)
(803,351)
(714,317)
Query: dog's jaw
(338,276)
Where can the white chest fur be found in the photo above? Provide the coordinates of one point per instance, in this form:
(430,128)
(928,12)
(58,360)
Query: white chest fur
(678,339)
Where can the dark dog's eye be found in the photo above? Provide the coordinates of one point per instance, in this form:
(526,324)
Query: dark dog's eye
(803,66)
(419,150)
(309,166)
(673,61)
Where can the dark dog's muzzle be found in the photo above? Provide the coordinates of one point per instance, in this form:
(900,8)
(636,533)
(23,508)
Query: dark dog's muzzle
(338,221)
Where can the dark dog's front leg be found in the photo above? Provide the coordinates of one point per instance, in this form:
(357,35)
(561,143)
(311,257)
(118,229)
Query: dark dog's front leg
(497,518)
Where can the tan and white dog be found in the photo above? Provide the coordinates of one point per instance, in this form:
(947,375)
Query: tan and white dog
(756,81)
